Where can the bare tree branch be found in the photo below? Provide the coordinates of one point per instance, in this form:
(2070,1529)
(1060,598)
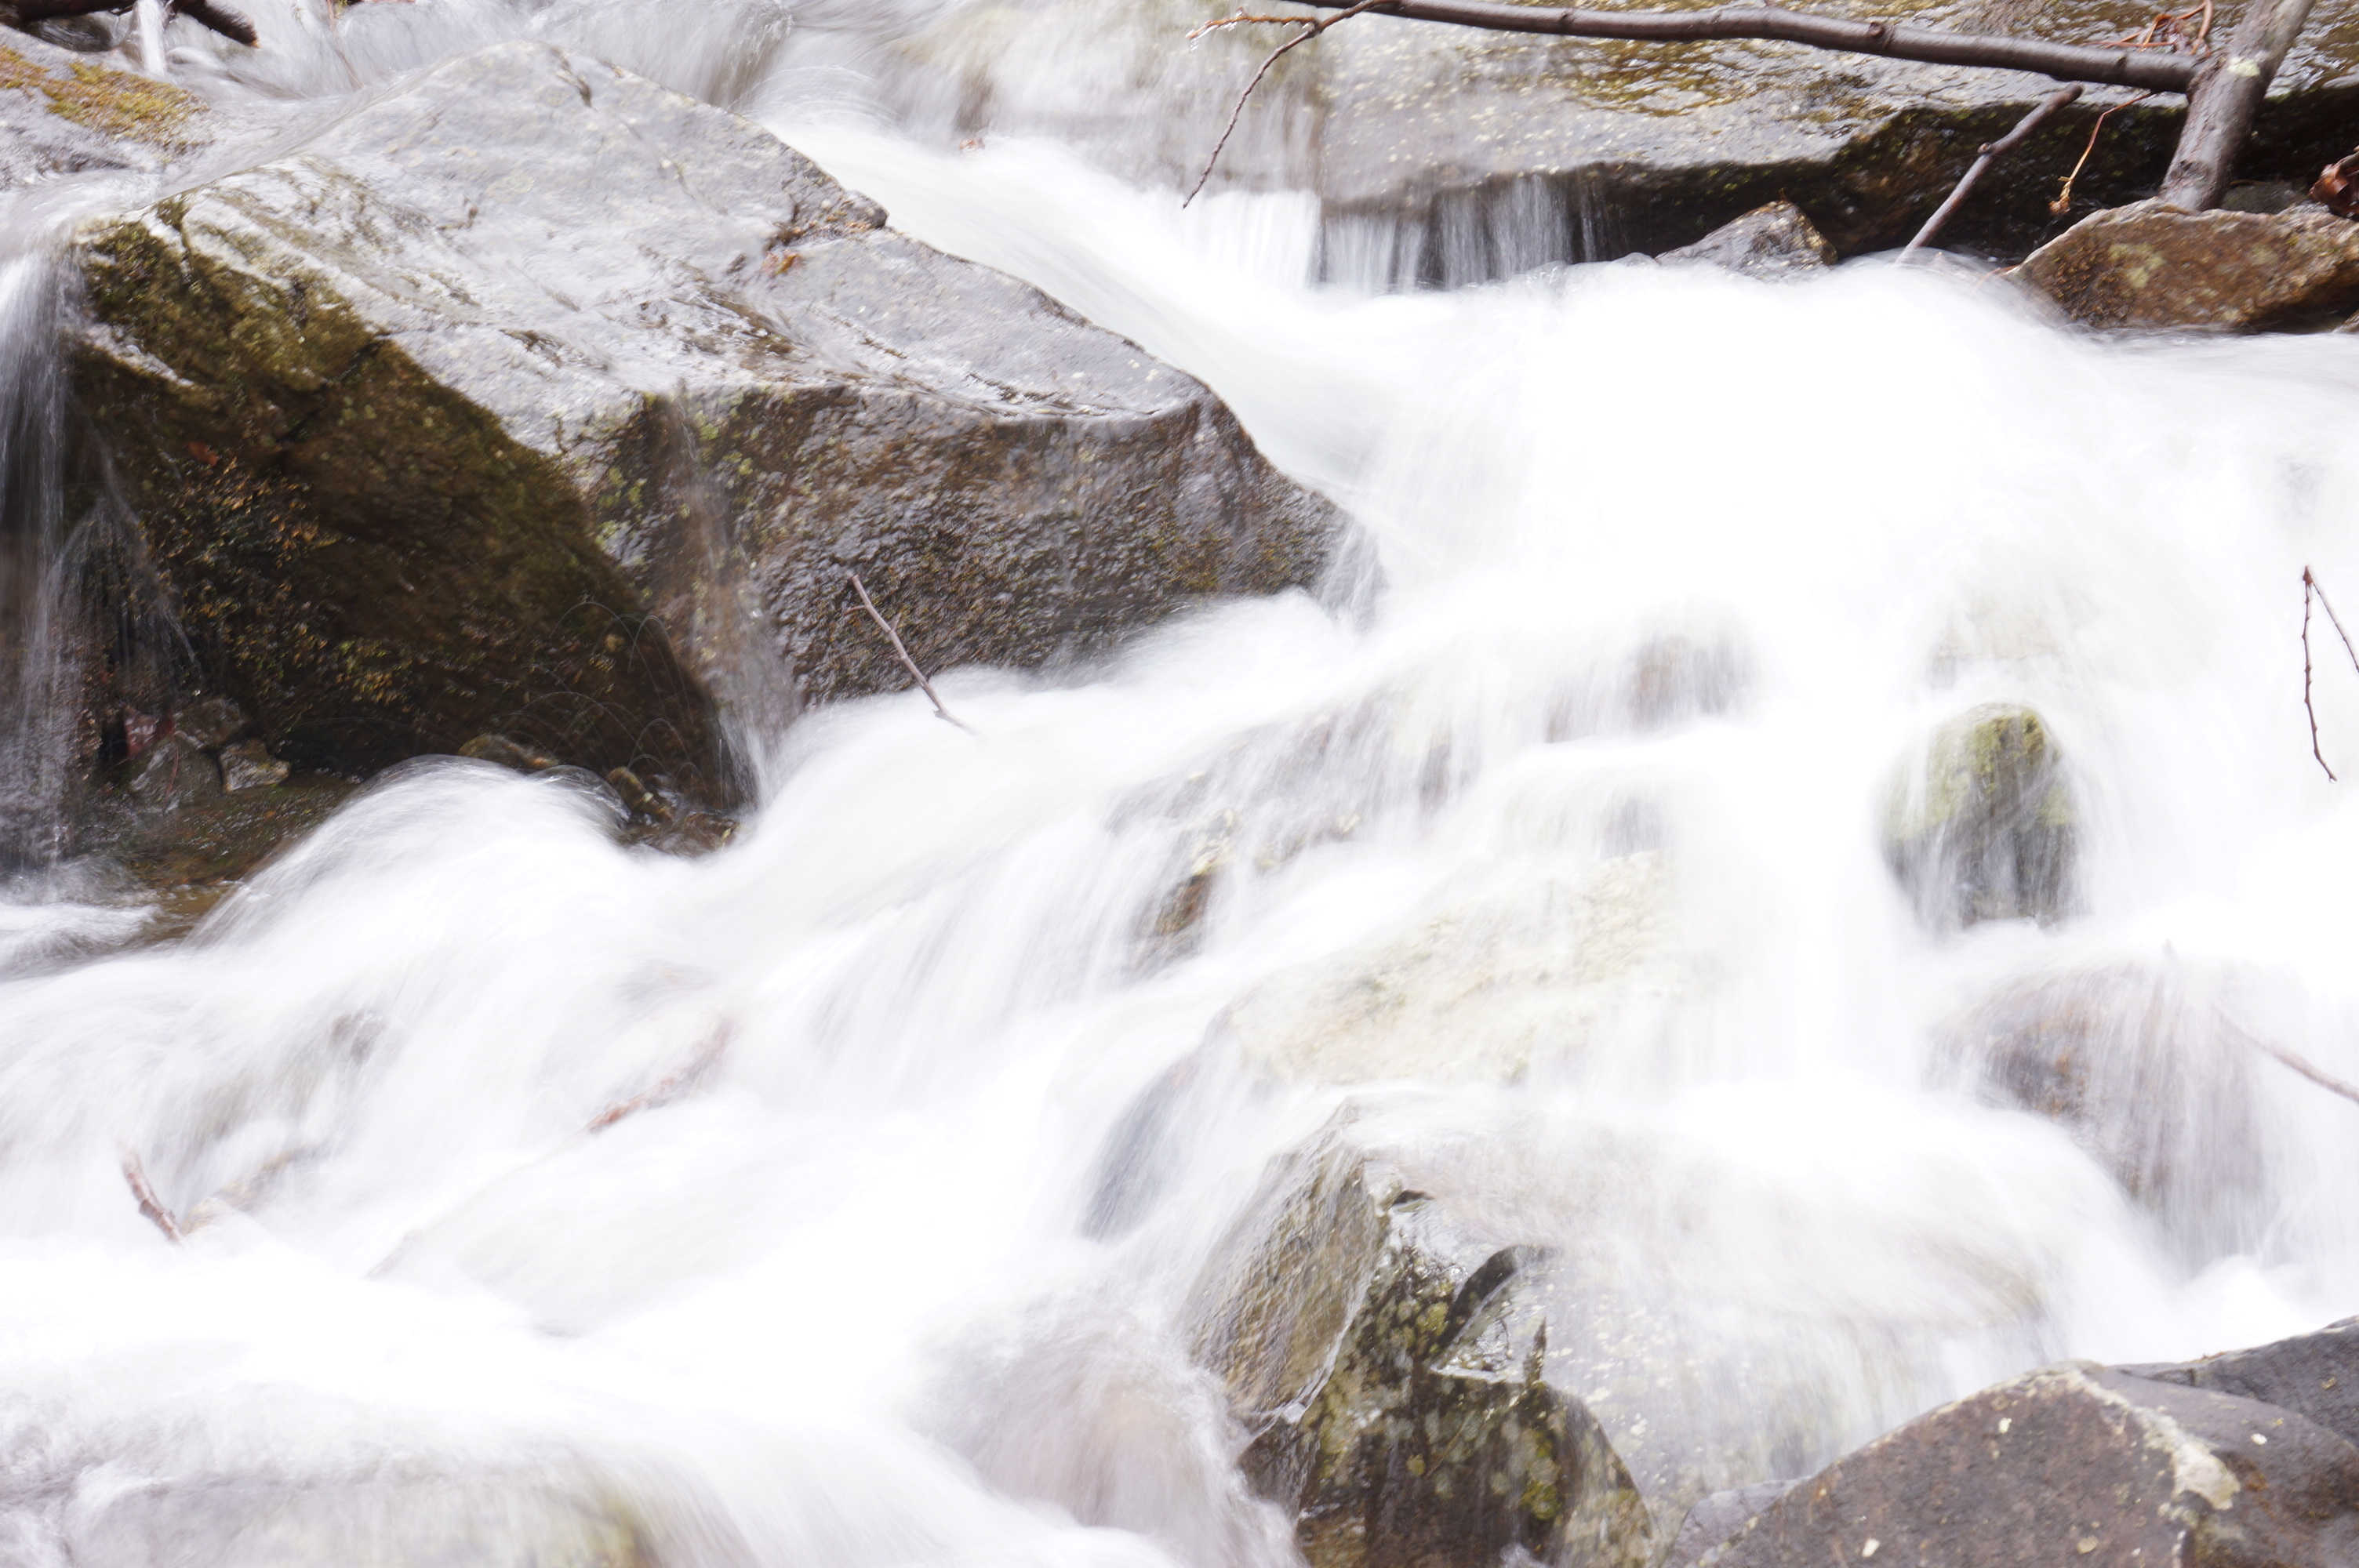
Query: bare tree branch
(2155,70)
(228,23)
(2298,1064)
(666,1089)
(1312,28)
(2310,585)
(136,1175)
(911,665)
(2224,99)
(1990,153)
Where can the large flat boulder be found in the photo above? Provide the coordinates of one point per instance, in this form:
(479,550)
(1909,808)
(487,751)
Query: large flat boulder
(2148,265)
(530,396)
(1443,154)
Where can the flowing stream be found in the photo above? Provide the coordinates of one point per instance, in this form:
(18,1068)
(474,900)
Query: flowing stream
(857,1299)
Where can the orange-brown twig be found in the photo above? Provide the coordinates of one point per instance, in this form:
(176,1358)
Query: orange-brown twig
(136,1175)
(2063,202)
(663,1091)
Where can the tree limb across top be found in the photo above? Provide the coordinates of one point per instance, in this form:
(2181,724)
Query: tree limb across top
(2156,71)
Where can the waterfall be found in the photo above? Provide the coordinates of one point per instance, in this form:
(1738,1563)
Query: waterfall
(1678,570)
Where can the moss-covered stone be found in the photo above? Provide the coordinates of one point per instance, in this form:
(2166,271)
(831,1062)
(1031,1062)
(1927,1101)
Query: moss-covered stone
(1982,824)
(61,112)
(2152,265)
(1391,1365)
(472,413)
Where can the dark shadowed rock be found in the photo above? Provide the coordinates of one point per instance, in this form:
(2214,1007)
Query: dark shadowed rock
(1981,825)
(1391,1363)
(2152,265)
(1768,241)
(532,398)
(2314,1375)
(2075,1465)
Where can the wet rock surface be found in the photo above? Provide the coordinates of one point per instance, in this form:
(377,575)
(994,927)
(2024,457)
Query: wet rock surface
(1390,1360)
(422,445)
(2154,266)
(64,112)
(2075,1464)
(1982,825)
(1768,241)
(2314,1375)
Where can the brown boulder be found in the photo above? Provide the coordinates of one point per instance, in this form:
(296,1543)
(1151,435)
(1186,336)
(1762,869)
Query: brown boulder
(2149,265)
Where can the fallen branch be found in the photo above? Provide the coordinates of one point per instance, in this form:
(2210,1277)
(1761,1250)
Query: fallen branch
(1312,28)
(668,1087)
(2155,70)
(149,1204)
(2224,98)
(1991,152)
(2298,1064)
(2309,584)
(228,23)
(911,665)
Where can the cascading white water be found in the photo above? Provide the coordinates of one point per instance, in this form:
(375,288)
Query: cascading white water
(854,1300)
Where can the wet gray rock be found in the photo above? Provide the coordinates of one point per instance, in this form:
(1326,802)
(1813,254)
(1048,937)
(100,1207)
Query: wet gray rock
(2314,1375)
(1444,155)
(171,773)
(2156,266)
(1719,1517)
(532,398)
(1391,1362)
(1982,825)
(1768,241)
(249,766)
(210,721)
(2075,1464)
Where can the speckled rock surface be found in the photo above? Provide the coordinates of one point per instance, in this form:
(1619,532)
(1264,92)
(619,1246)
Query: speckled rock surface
(2075,1465)
(2152,265)
(1768,241)
(1445,155)
(2314,1375)
(1391,1364)
(533,397)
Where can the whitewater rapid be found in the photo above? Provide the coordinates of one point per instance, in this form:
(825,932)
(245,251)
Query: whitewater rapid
(840,1302)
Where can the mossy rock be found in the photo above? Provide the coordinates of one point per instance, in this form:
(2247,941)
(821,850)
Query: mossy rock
(1984,825)
(2154,266)
(1391,1364)
(62,113)
(470,414)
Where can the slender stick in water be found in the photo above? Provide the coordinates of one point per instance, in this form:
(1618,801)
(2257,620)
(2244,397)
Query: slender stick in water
(2299,1063)
(1990,154)
(911,665)
(2310,585)
(135,1174)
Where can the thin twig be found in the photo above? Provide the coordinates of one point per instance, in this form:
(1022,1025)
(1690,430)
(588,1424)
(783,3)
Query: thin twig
(149,1204)
(1991,152)
(665,1089)
(2063,202)
(2309,587)
(2298,1064)
(923,684)
(1312,28)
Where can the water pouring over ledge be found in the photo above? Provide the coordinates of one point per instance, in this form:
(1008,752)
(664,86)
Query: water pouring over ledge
(1680,570)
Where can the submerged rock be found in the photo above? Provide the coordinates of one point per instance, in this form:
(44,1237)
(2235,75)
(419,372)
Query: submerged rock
(1982,825)
(530,396)
(2140,1067)
(2075,1464)
(1391,1363)
(1485,991)
(2154,265)
(1768,241)
(62,111)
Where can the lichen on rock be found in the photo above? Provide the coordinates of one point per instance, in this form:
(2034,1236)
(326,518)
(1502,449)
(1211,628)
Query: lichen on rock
(1983,824)
(2152,266)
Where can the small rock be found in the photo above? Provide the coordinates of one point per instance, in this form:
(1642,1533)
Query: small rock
(172,772)
(508,754)
(643,801)
(1984,825)
(211,721)
(1391,1362)
(1773,241)
(2071,1464)
(2154,265)
(249,766)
